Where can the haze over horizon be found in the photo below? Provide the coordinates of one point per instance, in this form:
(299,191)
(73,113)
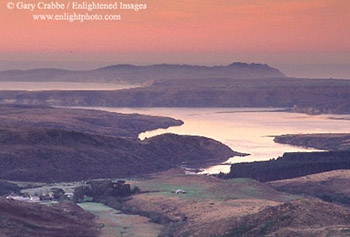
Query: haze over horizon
(336,71)
(301,38)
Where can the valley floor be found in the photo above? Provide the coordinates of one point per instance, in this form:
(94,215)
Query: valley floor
(208,207)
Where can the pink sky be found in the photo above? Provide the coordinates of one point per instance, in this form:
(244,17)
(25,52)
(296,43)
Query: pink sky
(188,30)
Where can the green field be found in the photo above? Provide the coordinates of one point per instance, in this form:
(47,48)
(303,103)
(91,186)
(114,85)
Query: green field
(116,224)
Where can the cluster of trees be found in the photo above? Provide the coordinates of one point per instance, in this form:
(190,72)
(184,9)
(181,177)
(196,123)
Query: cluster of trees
(291,165)
(8,188)
(99,190)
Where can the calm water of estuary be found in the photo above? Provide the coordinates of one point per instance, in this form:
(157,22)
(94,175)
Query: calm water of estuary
(244,130)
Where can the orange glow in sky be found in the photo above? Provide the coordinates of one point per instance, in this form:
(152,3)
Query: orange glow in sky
(188,26)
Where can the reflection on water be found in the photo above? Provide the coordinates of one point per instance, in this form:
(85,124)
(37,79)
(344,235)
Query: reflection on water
(42,86)
(244,130)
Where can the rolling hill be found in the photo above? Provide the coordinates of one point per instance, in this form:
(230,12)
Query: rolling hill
(140,74)
(30,219)
(54,155)
(82,120)
(297,218)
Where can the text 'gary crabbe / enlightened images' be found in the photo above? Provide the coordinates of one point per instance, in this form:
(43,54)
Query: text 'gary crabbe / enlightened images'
(76,11)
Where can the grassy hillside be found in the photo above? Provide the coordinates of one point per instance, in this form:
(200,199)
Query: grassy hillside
(208,206)
(296,218)
(81,120)
(52,155)
(333,186)
(60,220)
(39,143)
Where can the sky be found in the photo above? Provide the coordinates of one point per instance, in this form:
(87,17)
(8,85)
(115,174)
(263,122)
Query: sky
(290,34)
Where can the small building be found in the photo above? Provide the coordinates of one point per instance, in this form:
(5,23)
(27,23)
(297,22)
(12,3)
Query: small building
(69,195)
(178,191)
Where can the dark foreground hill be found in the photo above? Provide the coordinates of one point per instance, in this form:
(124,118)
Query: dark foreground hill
(60,220)
(53,155)
(139,74)
(291,165)
(296,218)
(82,120)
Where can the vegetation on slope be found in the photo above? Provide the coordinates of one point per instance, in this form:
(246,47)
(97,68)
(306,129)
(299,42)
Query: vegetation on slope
(208,206)
(291,165)
(81,120)
(322,141)
(296,218)
(332,186)
(8,188)
(52,155)
(60,220)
